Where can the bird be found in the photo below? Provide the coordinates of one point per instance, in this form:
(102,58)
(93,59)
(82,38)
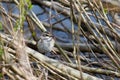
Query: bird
(116,17)
(46,42)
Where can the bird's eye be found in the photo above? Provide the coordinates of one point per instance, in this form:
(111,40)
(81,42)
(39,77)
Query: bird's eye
(46,34)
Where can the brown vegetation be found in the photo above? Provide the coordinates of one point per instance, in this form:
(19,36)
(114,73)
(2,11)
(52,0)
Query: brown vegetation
(72,58)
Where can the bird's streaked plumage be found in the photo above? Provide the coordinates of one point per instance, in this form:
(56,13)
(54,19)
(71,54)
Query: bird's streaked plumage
(45,43)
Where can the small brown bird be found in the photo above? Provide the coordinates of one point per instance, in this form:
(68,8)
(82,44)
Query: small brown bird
(46,42)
